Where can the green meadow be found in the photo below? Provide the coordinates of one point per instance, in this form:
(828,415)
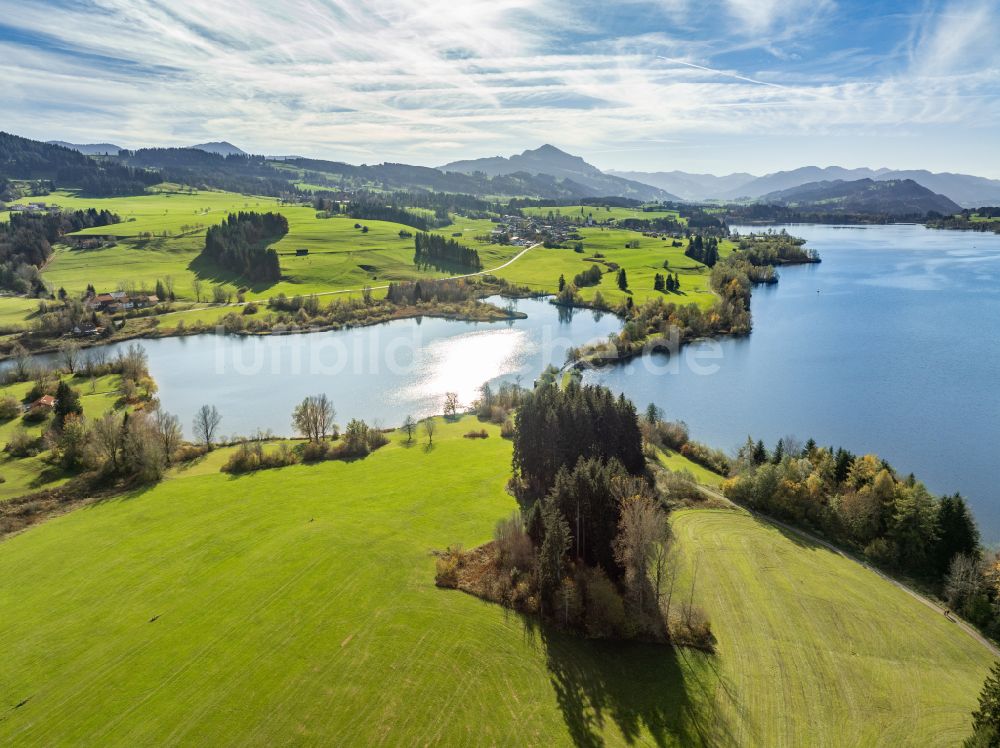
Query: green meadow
(602,212)
(162,234)
(542,267)
(340,255)
(28,474)
(298,606)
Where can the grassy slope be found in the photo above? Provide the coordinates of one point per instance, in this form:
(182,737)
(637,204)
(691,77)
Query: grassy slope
(338,251)
(676,461)
(602,213)
(340,256)
(816,650)
(298,606)
(542,267)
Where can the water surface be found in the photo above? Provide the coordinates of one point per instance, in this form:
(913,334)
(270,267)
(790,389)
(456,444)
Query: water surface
(891,345)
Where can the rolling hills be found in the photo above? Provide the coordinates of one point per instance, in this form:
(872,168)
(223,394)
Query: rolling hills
(897,197)
(298,605)
(965,189)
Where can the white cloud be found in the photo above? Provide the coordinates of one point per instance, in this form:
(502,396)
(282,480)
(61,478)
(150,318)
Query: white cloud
(432,80)
(962,37)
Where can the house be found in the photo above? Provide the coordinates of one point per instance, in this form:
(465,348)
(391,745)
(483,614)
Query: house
(86,329)
(45,401)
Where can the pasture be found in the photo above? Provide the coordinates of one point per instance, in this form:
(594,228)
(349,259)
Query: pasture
(602,213)
(298,605)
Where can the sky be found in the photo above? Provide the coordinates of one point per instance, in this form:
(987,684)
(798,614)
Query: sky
(713,86)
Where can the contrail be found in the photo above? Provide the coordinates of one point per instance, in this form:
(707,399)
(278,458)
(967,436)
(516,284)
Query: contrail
(720,72)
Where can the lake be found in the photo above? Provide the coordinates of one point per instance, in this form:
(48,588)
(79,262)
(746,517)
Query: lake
(891,345)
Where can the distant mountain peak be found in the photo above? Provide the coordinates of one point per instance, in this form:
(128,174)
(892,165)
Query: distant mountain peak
(89,149)
(554,162)
(222,147)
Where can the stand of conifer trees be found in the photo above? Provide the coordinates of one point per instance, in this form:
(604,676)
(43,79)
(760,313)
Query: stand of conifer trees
(239,244)
(434,248)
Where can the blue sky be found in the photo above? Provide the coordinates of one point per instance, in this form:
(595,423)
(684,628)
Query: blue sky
(700,85)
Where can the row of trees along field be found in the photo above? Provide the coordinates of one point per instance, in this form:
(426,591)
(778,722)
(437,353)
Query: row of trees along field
(587,551)
(434,249)
(862,503)
(240,244)
(26,243)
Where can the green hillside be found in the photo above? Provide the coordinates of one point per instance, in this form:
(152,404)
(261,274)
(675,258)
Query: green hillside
(298,605)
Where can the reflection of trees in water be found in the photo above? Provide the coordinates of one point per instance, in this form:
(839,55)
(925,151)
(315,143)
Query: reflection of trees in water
(565,313)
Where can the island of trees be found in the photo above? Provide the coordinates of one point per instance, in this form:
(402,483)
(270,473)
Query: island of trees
(240,244)
(434,249)
(587,549)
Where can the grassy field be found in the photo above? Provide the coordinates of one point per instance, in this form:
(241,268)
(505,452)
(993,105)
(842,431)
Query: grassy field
(813,649)
(162,234)
(542,267)
(676,461)
(298,606)
(340,256)
(603,213)
(27,474)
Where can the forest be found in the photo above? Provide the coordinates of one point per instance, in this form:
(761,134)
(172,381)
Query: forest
(588,549)
(21,158)
(26,243)
(434,249)
(240,245)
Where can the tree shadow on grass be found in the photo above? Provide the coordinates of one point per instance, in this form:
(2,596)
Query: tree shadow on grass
(211,273)
(650,692)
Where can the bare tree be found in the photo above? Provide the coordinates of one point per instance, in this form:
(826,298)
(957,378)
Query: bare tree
(133,363)
(206,423)
(69,355)
(197,286)
(23,366)
(430,426)
(450,404)
(168,431)
(409,426)
(313,417)
(643,526)
(109,439)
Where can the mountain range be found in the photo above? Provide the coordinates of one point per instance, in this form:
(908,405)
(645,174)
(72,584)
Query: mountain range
(549,160)
(222,147)
(966,190)
(891,197)
(89,149)
(549,172)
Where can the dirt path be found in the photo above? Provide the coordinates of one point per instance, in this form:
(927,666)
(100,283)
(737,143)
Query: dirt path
(966,627)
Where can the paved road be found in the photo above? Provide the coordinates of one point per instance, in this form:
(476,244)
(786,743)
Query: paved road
(966,627)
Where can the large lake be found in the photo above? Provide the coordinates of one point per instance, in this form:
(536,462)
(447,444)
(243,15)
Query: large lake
(891,345)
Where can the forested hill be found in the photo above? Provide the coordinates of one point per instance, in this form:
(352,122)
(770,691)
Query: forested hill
(899,197)
(21,158)
(198,168)
(389,176)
